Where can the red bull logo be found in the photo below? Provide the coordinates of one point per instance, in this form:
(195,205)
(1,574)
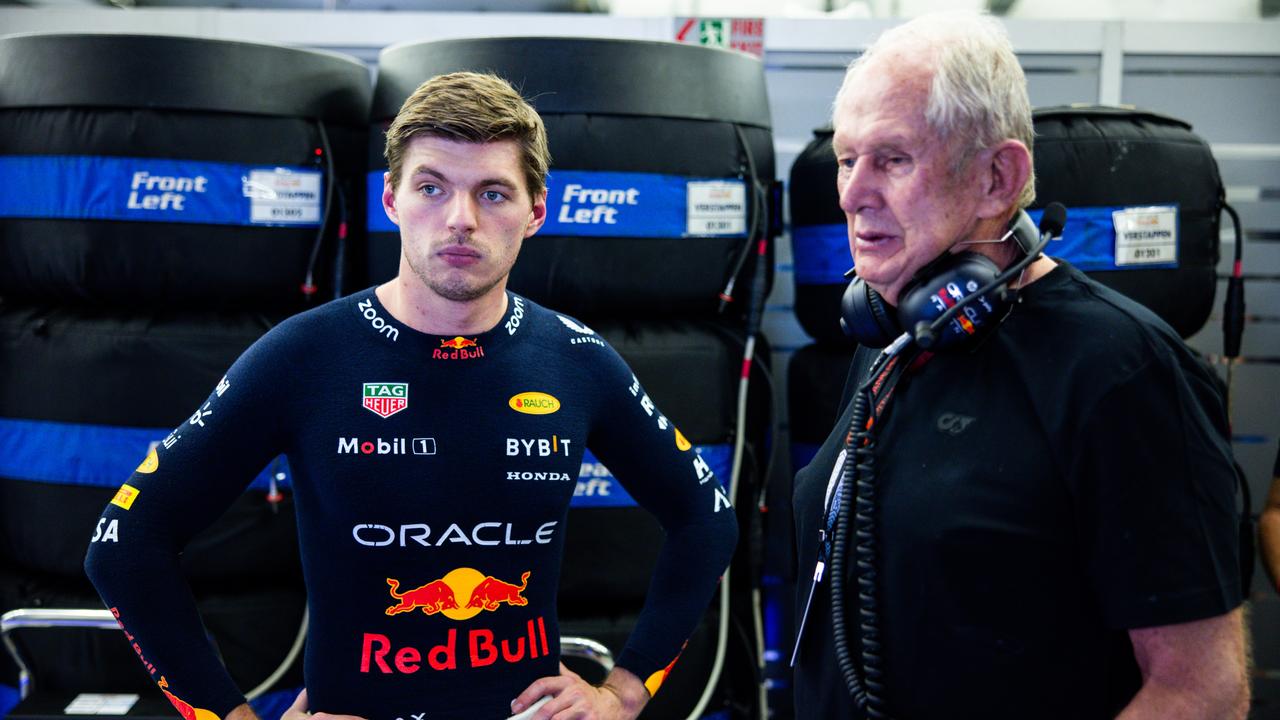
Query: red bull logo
(482,648)
(430,598)
(483,593)
(946,297)
(457,349)
(492,592)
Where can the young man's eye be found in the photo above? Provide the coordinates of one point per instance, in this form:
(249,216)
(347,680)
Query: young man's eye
(429,190)
(493,196)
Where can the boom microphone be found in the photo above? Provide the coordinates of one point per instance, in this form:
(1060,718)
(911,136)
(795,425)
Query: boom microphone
(1053,220)
(1051,224)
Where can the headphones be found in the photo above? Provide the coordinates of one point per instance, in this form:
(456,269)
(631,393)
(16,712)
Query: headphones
(951,299)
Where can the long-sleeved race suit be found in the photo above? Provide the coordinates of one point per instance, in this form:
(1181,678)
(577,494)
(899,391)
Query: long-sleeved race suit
(432,479)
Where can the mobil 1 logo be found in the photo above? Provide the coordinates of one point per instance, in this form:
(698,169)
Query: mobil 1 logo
(386,446)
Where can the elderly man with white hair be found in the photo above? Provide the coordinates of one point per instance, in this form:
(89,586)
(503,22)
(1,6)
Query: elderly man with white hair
(1036,521)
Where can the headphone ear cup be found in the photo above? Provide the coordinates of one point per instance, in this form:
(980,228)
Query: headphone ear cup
(865,317)
(949,280)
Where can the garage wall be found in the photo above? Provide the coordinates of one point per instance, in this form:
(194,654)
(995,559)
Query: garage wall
(1224,78)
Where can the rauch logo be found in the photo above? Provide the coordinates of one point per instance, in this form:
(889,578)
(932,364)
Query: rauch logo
(534,403)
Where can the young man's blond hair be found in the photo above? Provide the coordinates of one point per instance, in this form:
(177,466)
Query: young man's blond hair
(476,108)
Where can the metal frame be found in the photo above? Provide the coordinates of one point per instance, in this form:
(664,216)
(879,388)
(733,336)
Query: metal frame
(587,649)
(29,618)
(47,618)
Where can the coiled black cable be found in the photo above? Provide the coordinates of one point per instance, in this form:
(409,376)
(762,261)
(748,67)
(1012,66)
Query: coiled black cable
(857,479)
(848,669)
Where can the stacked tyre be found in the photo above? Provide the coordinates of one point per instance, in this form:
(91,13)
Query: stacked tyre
(820,249)
(1144,200)
(656,206)
(162,210)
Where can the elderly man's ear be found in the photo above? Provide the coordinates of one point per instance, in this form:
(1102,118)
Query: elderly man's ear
(1002,172)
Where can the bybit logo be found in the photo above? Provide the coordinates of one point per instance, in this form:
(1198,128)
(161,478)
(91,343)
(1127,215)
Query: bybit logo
(538,447)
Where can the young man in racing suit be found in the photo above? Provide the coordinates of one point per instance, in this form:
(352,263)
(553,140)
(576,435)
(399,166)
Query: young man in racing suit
(435,426)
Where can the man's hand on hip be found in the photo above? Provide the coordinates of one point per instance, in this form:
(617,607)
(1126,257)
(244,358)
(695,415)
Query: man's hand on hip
(620,697)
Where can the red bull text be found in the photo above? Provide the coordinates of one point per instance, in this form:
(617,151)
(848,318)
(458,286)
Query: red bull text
(457,349)
(185,709)
(483,648)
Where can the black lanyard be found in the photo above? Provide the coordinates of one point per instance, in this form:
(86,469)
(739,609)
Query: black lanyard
(883,378)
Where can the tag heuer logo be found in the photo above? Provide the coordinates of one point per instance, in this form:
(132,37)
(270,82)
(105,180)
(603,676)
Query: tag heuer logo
(386,399)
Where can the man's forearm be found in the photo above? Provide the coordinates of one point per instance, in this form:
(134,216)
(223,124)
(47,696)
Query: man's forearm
(629,688)
(1195,670)
(1157,702)
(141,583)
(242,712)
